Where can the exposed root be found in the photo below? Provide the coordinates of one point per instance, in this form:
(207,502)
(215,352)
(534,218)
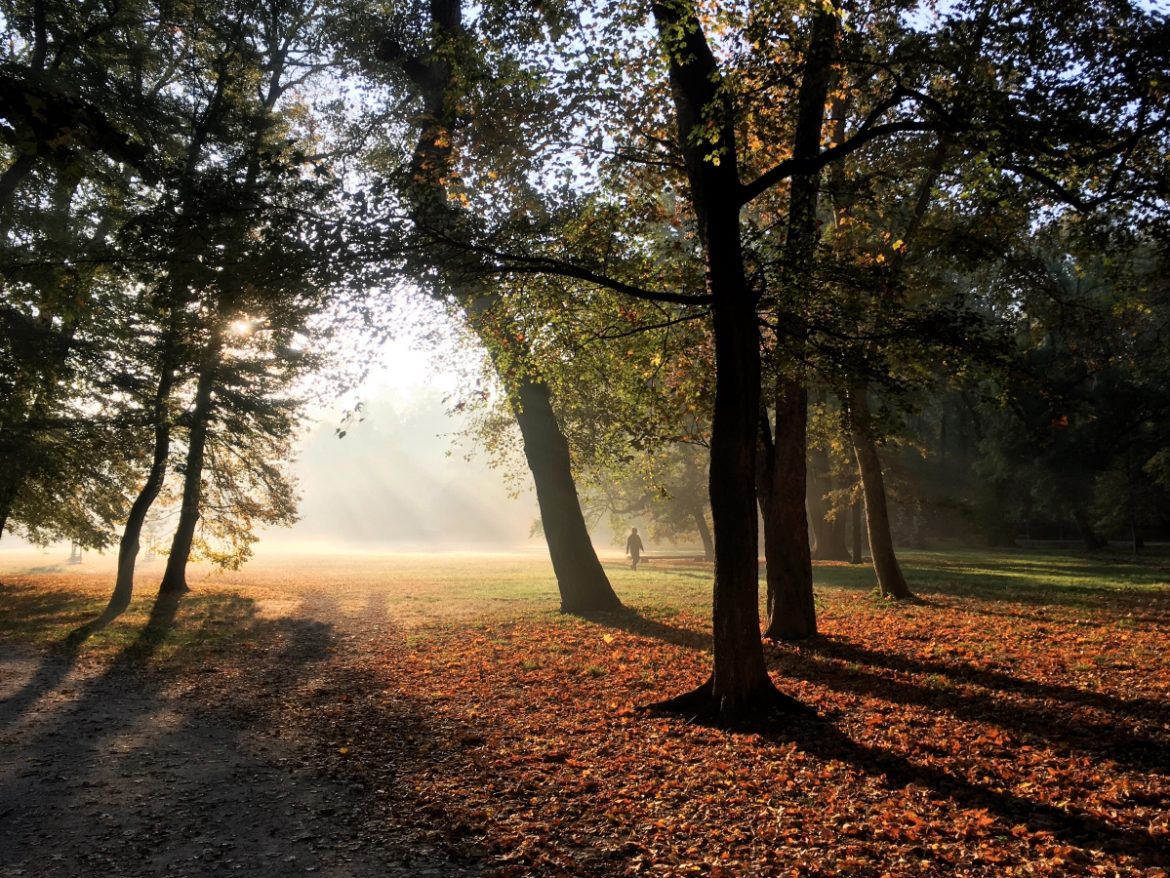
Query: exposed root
(766,707)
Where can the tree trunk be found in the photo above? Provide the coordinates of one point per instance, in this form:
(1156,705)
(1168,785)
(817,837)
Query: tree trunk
(131,535)
(5,510)
(857,558)
(781,488)
(891,581)
(829,534)
(583,584)
(791,612)
(739,689)
(699,514)
(174,579)
(1092,540)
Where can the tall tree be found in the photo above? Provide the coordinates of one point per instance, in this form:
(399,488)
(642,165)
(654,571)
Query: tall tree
(436,73)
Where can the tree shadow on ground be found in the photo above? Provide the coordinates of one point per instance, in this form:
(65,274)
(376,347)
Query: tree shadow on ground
(631,621)
(989,581)
(1104,738)
(826,742)
(962,672)
(78,737)
(36,613)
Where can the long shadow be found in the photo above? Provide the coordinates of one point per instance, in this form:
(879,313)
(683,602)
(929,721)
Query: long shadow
(633,622)
(1102,739)
(1138,708)
(962,581)
(32,609)
(1072,826)
(122,699)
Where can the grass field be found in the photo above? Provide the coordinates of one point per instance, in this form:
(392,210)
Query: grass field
(1016,721)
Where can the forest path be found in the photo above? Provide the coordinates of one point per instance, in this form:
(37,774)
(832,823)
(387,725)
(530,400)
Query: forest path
(124,766)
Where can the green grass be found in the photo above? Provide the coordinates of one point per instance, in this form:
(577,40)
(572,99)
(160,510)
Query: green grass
(416,592)
(1022,576)
(46,617)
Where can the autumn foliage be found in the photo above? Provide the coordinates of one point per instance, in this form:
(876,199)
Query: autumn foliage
(961,736)
(992,729)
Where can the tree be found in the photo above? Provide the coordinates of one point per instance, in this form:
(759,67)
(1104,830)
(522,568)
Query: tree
(268,284)
(436,76)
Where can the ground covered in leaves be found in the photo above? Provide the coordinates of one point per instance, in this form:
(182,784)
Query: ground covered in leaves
(396,715)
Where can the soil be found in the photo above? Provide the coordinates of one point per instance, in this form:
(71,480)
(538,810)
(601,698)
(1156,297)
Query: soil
(125,767)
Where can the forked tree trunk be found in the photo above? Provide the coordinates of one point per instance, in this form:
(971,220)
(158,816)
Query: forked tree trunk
(780,472)
(739,689)
(174,579)
(583,584)
(131,535)
(891,581)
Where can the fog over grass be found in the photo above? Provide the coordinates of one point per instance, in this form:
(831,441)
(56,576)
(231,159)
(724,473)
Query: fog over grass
(402,479)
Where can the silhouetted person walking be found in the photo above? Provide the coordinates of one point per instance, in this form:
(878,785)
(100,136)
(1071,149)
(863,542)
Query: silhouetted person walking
(634,548)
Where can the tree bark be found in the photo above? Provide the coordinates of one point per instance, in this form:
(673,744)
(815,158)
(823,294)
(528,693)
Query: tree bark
(581,580)
(699,514)
(174,579)
(131,536)
(829,534)
(891,581)
(791,611)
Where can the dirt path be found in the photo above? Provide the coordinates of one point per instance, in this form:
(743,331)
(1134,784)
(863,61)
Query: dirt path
(120,768)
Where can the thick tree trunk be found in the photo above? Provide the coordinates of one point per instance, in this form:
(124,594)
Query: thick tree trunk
(891,581)
(739,689)
(174,579)
(829,534)
(583,584)
(699,514)
(791,611)
(1092,540)
(857,558)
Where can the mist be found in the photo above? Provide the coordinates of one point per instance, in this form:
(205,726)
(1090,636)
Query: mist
(402,479)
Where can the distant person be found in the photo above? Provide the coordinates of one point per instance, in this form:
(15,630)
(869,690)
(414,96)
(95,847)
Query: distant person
(634,548)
